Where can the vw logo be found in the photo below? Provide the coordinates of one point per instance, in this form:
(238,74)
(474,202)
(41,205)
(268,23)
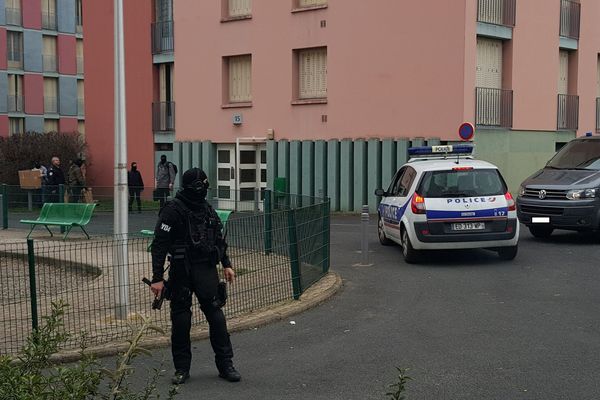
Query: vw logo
(542,194)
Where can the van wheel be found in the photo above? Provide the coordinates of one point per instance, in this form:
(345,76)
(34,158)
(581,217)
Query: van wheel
(411,255)
(508,253)
(541,232)
(381,233)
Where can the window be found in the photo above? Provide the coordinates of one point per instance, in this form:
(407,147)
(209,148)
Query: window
(563,72)
(79,49)
(239,8)
(50,125)
(80,98)
(163,10)
(13,12)
(239,78)
(311,3)
(312,73)
(79,15)
(14,49)
(49,14)
(15,93)
(15,126)
(489,63)
(51,95)
(49,53)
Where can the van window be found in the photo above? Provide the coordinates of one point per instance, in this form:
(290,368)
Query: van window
(578,154)
(469,183)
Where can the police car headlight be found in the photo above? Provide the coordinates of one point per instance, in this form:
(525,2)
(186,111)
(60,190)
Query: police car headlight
(579,194)
(521,191)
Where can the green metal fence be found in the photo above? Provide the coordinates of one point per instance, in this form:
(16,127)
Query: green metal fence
(277,252)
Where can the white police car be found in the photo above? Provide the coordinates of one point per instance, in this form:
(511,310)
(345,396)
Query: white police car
(442,198)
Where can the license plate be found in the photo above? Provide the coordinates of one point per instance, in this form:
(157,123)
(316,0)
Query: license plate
(540,220)
(468,226)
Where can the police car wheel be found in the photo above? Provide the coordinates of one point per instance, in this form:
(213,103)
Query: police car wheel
(508,253)
(381,234)
(410,254)
(541,232)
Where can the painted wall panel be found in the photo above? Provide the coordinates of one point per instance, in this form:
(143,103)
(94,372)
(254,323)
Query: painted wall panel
(346,175)
(3,62)
(374,169)
(176,158)
(32,51)
(271,163)
(209,160)
(67,58)
(283,159)
(3,91)
(31,11)
(4,125)
(34,124)
(295,167)
(186,158)
(2,15)
(66,16)
(333,173)
(67,92)
(67,125)
(320,169)
(401,152)
(359,194)
(33,92)
(308,168)
(197,154)
(388,162)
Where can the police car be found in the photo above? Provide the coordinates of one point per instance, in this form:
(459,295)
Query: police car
(442,198)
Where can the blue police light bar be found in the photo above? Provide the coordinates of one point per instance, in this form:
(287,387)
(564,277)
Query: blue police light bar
(440,150)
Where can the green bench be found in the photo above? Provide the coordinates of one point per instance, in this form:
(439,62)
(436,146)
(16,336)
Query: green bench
(63,214)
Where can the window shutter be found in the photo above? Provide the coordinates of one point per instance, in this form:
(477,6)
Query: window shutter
(50,125)
(563,72)
(81,127)
(50,87)
(240,79)
(50,46)
(309,3)
(489,63)
(312,73)
(240,7)
(79,48)
(80,89)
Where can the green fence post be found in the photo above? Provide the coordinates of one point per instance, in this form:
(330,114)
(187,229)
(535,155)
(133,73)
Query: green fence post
(294,260)
(4,206)
(268,211)
(32,288)
(326,237)
(61,199)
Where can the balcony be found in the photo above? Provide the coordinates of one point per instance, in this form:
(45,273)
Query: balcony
(49,21)
(50,105)
(79,65)
(570,12)
(49,63)
(15,103)
(163,116)
(568,111)
(494,107)
(497,12)
(162,37)
(597,114)
(13,16)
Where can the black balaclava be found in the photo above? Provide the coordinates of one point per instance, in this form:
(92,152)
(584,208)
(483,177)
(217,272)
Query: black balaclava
(78,162)
(195,186)
(134,166)
(163,159)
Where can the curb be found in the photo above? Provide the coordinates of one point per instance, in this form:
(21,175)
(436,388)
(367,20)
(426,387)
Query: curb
(318,293)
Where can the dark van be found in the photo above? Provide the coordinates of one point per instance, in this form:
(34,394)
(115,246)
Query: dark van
(565,194)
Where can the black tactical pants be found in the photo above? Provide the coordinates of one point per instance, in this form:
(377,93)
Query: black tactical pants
(203,284)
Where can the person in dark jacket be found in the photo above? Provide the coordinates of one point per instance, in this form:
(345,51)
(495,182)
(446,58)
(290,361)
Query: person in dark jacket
(54,178)
(190,230)
(136,186)
(76,180)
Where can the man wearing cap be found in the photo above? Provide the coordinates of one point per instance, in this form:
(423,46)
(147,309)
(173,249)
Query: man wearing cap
(190,230)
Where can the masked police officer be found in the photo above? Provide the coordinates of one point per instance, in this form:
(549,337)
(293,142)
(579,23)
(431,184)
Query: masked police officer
(189,229)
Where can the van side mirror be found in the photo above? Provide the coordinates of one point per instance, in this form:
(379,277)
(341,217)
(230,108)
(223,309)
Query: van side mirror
(380,192)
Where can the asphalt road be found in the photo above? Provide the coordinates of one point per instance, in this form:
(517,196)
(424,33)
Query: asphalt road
(468,326)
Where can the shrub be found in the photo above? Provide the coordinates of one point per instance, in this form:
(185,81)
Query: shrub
(22,151)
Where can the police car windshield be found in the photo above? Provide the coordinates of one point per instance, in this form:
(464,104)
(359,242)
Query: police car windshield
(462,183)
(577,154)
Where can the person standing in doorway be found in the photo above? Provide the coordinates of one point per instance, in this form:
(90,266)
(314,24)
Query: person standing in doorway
(165,179)
(55,178)
(136,186)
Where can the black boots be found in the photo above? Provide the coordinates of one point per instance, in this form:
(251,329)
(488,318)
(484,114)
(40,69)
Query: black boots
(230,374)
(180,377)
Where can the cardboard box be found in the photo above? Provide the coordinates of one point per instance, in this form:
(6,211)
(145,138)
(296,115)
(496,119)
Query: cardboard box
(29,179)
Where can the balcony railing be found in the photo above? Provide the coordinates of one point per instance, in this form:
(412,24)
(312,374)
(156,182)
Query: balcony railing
(162,37)
(568,111)
(49,21)
(79,65)
(570,12)
(13,16)
(80,106)
(15,103)
(49,62)
(597,114)
(50,105)
(498,12)
(163,116)
(494,107)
